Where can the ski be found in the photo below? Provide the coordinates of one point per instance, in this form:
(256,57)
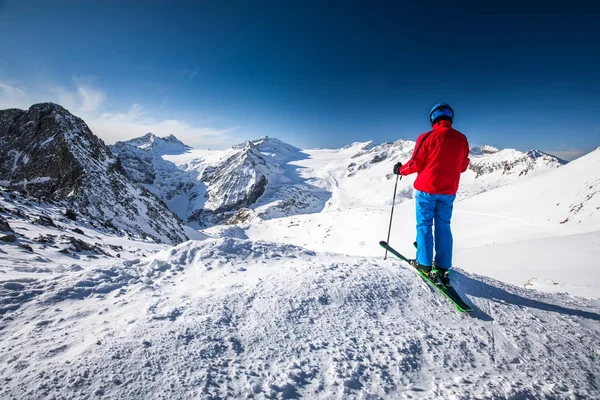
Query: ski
(450,293)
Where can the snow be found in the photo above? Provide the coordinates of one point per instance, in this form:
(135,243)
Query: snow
(297,302)
(226,318)
(16,156)
(47,141)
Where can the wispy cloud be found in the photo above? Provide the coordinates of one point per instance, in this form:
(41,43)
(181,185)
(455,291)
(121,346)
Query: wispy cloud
(190,73)
(13,97)
(136,122)
(90,103)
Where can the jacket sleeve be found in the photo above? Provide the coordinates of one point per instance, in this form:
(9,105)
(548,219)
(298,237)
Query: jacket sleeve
(419,157)
(466,160)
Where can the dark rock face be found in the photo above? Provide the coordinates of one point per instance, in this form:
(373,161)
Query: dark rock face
(26,247)
(78,245)
(71,215)
(4,226)
(44,221)
(8,238)
(39,159)
(138,164)
(53,155)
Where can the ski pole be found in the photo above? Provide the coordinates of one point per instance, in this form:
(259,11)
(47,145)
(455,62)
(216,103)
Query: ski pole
(392,214)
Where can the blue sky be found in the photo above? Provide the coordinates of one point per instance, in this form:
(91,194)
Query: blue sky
(313,73)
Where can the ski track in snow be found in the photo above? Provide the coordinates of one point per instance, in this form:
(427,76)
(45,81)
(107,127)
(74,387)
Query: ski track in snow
(232,318)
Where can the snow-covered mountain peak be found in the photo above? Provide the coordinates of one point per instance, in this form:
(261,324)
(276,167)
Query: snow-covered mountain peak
(485,149)
(161,146)
(361,145)
(534,153)
(246,145)
(271,145)
(276,149)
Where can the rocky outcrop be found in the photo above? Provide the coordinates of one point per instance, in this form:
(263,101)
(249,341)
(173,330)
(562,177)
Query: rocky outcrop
(53,155)
(4,226)
(238,181)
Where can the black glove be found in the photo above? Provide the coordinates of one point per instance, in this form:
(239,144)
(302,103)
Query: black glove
(397,167)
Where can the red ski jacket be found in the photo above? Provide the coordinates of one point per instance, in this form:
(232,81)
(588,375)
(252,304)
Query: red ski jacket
(440,156)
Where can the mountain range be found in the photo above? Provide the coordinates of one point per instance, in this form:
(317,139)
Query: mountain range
(282,291)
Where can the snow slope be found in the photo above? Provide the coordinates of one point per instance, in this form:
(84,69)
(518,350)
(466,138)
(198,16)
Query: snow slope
(47,242)
(532,212)
(231,318)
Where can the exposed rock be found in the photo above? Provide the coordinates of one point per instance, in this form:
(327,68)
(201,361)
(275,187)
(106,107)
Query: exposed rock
(78,245)
(8,238)
(26,247)
(71,214)
(44,221)
(53,155)
(45,239)
(241,216)
(77,230)
(4,226)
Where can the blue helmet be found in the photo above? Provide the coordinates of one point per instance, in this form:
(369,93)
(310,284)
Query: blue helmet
(440,110)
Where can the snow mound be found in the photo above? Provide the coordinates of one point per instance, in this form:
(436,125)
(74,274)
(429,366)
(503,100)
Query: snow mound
(228,318)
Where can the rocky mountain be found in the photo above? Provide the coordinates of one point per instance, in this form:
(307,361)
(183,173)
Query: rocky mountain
(208,187)
(488,160)
(142,159)
(43,238)
(53,155)
(242,178)
(139,155)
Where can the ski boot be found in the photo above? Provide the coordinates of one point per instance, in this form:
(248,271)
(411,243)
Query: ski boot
(441,275)
(425,269)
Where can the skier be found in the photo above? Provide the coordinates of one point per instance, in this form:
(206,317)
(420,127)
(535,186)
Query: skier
(440,156)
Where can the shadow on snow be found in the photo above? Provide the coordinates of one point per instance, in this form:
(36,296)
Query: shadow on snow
(478,288)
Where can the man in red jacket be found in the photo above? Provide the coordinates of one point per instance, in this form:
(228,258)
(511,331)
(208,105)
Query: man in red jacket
(440,156)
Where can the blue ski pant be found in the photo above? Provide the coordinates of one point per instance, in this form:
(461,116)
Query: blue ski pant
(434,210)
